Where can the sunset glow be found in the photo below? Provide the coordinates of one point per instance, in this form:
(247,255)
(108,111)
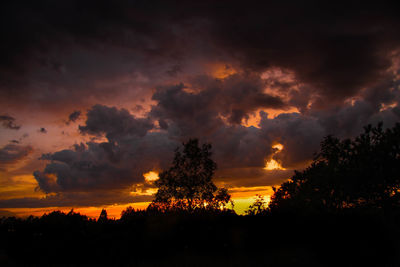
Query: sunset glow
(93,114)
(273,164)
(199,133)
(113,211)
(151,176)
(221,70)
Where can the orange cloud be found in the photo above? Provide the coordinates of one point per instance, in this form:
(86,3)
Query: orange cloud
(151,176)
(273,164)
(220,70)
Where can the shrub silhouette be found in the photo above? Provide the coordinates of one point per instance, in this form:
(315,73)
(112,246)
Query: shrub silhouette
(350,173)
(259,206)
(187,185)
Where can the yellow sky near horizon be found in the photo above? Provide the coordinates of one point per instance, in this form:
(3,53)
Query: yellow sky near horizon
(242,197)
(241,204)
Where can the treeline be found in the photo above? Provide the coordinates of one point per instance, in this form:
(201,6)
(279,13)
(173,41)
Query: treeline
(343,210)
(144,238)
(363,172)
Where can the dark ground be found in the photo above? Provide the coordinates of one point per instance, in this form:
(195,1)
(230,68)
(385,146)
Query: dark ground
(348,238)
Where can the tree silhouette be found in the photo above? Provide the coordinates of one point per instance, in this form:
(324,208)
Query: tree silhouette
(222,199)
(187,184)
(103,216)
(258,207)
(360,172)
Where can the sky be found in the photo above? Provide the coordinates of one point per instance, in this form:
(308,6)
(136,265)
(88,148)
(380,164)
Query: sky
(96,95)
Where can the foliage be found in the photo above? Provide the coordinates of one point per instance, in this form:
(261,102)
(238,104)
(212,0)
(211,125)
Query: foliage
(360,172)
(130,214)
(127,213)
(259,207)
(222,199)
(187,184)
(103,216)
(143,238)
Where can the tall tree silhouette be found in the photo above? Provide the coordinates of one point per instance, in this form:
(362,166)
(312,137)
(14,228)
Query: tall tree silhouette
(359,172)
(187,184)
(103,216)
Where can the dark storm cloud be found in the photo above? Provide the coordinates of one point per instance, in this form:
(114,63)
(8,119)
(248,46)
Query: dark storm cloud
(73,116)
(241,152)
(81,175)
(383,94)
(234,98)
(95,168)
(8,122)
(300,135)
(243,94)
(337,48)
(240,147)
(118,163)
(71,45)
(336,61)
(114,123)
(74,199)
(12,153)
(132,150)
(185,114)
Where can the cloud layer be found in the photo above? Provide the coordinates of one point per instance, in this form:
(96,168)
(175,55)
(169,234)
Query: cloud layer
(336,49)
(11,154)
(8,122)
(151,75)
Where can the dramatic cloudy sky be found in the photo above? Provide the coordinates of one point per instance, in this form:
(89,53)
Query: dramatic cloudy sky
(94,95)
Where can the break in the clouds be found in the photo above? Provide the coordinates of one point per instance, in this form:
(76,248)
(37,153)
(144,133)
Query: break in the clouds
(143,76)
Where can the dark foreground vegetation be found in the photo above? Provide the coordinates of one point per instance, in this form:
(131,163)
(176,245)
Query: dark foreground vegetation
(348,238)
(344,210)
